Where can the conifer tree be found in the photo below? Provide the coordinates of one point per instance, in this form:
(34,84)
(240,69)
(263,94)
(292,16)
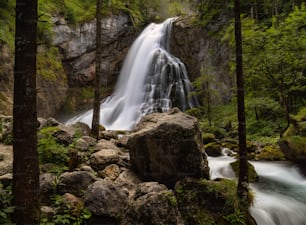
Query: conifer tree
(26,163)
(96,108)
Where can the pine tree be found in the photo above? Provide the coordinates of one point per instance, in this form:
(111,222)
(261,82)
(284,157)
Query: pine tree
(96,107)
(26,163)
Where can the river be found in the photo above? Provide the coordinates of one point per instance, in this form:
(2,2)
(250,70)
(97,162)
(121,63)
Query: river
(279,195)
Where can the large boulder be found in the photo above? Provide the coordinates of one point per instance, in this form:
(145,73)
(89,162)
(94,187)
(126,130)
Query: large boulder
(167,147)
(293,140)
(105,198)
(75,182)
(154,208)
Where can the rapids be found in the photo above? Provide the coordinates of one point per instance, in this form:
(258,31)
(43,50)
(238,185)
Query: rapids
(280,194)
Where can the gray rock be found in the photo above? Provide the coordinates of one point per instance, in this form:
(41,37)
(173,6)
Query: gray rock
(105,198)
(168,147)
(154,208)
(128,177)
(99,160)
(75,182)
(48,183)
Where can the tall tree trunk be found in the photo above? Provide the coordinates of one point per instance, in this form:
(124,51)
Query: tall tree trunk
(96,108)
(242,189)
(26,164)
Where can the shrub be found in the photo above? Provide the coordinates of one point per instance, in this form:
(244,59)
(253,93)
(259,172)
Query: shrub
(50,151)
(6,208)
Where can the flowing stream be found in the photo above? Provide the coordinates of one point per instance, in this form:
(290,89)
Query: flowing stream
(280,194)
(151,80)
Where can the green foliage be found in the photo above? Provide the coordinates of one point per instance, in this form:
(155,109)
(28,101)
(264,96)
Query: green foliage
(66,214)
(211,10)
(274,61)
(50,151)
(49,65)
(6,208)
(78,11)
(7,22)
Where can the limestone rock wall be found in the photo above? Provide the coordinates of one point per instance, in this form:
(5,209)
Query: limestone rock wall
(202,51)
(77,45)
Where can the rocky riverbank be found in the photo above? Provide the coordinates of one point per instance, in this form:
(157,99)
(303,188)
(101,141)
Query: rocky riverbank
(156,175)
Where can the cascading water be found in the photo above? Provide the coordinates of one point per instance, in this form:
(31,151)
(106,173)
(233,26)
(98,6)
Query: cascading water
(280,194)
(151,80)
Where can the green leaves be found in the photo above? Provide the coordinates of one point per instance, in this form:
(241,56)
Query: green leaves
(6,208)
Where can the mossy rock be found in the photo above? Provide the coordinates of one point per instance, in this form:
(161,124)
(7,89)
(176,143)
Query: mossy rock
(217,131)
(213,149)
(207,202)
(231,144)
(294,148)
(253,176)
(208,138)
(270,152)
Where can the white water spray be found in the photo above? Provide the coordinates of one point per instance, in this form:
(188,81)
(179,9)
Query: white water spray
(151,80)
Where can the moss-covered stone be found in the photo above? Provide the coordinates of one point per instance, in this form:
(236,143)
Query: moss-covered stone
(253,176)
(294,148)
(293,141)
(213,149)
(208,138)
(206,202)
(231,144)
(270,152)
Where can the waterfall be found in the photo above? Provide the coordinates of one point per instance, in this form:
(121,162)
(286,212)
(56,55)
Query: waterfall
(151,80)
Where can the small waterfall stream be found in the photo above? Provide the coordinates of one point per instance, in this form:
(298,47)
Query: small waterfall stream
(280,194)
(151,80)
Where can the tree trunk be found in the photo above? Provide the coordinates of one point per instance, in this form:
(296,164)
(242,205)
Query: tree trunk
(26,163)
(96,108)
(242,189)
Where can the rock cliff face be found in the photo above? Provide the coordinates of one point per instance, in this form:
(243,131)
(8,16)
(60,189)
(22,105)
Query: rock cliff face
(77,45)
(203,53)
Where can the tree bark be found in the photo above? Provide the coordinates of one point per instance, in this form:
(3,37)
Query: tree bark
(96,108)
(26,164)
(242,189)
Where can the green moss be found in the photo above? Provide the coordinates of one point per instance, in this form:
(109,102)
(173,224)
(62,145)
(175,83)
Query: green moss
(213,149)
(270,152)
(253,176)
(7,22)
(206,202)
(208,137)
(297,143)
(49,65)
(171,197)
(79,11)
